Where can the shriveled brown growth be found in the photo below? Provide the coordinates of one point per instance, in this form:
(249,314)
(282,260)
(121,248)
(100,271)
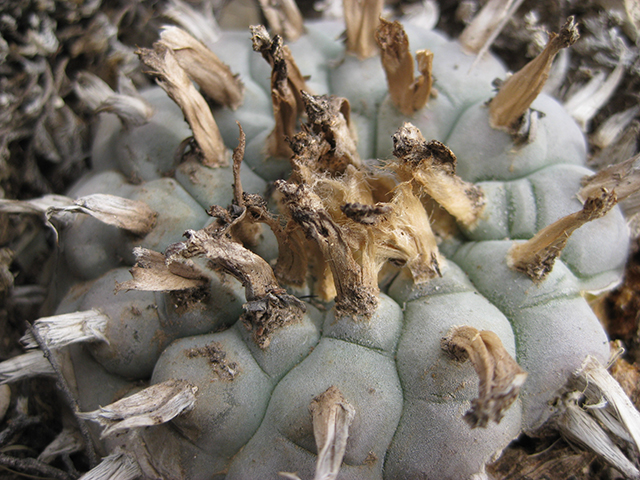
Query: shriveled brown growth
(407,237)
(356,286)
(624,178)
(361,18)
(522,88)
(154,405)
(536,256)
(131,109)
(155,272)
(332,416)
(268,306)
(204,67)
(500,376)
(330,117)
(246,231)
(291,266)
(407,92)
(286,84)
(284,18)
(175,81)
(432,166)
(486,25)
(131,215)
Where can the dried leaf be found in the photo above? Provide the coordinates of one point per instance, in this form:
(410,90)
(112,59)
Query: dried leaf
(61,330)
(154,405)
(500,376)
(153,272)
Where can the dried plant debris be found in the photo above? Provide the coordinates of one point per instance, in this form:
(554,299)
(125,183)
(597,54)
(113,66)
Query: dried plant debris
(595,411)
(154,405)
(117,465)
(133,110)
(61,330)
(284,18)
(536,256)
(164,64)
(500,376)
(520,90)
(43,135)
(68,441)
(287,83)
(155,272)
(356,285)
(408,93)
(27,365)
(332,416)
(217,358)
(362,17)
(432,167)
(204,67)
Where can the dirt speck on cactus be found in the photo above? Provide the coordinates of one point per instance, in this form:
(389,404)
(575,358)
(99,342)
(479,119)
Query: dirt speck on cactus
(216,356)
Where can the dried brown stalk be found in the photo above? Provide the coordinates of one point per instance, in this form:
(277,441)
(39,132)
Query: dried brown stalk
(536,256)
(153,272)
(132,110)
(361,18)
(356,286)
(155,405)
(500,376)
(330,117)
(432,166)
(175,81)
(268,306)
(131,215)
(332,415)
(246,231)
(204,67)
(408,93)
(286,84)
(624,178)
(284,18)
(408,236)
(520,90)
(487,24)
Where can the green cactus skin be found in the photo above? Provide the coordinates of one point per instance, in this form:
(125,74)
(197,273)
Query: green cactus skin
(408,395)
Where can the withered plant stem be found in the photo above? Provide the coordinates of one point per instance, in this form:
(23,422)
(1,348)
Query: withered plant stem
(69,398)
(286,84)
(175,81)
(356,286)
(284,18)
(361,18)
(500,375)
(330,117)
(268,305)
(486,25)
(246,231)
(520,90)
(204,67)
(432,166)
(536,256)
(408,93)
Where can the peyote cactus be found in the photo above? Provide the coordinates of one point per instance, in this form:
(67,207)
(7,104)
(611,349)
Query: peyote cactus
(333,340)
